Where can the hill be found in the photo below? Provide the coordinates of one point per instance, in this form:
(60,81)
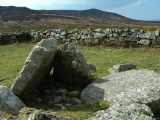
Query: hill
(15,17)
(92,13)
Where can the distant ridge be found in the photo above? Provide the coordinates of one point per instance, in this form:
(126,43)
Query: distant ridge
(23,13)
(92,13)
(11,16)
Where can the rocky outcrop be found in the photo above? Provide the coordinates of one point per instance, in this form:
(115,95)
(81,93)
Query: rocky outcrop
(125,88)
(9,102)
(121,68)
(70,67)
(128,112)
(36,69)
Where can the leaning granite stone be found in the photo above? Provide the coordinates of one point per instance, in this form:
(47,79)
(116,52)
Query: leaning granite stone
(36,69)
(127,112)
(45,116)
(9,102)
(121,68)
(140,86)
(71,68)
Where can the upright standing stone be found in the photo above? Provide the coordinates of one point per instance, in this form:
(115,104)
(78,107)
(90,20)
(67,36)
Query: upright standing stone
(36,69)
(71,68)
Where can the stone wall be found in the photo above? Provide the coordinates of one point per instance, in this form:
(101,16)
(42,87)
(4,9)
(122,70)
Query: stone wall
(10,38)
(115,37)
(110,37)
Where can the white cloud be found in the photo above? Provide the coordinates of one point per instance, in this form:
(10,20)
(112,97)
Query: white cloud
(69,4)
(41,4)
(135,10)
(129,6)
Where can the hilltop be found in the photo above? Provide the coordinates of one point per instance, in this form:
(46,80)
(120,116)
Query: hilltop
(11,17)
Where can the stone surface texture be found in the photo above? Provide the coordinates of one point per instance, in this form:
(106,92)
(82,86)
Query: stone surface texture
(9,102)
(70,67)
(133,86)
(128,112)
(36,69)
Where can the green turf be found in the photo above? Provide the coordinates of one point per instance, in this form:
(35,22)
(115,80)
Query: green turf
(12,58)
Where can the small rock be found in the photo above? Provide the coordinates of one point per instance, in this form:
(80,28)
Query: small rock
(74,94)
(58,99)
(63,108)
(68,105)
(92,67)
(61,92)
(50,103)
(45,116)
(58,105)
(121,68)
(64,98)
(47,92)
(74,101)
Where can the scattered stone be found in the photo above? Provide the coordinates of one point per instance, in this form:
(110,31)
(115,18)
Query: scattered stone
(92,67)
(58,99)
(45,116)
(61,92)
(68,105)
(64,98)
(74,94)
(74,101)
(36,69)
(9,102)
(121,68)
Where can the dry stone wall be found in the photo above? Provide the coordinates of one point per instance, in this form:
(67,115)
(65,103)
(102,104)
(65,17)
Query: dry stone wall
(110,37)
(10,38)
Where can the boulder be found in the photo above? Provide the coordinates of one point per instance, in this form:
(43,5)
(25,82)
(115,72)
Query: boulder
(36,69)
(140,86)
(9,102)
(121,68)
(129,112)
(71,68)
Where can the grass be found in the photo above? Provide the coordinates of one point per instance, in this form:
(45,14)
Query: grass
(77,113)
(104,58)
(12,58)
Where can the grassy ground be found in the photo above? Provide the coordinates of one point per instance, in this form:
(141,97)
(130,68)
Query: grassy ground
(12,58)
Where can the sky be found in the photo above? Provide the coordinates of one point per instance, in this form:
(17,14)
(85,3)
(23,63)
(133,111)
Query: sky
(135,9)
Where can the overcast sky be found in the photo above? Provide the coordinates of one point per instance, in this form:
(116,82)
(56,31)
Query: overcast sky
(136,9)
